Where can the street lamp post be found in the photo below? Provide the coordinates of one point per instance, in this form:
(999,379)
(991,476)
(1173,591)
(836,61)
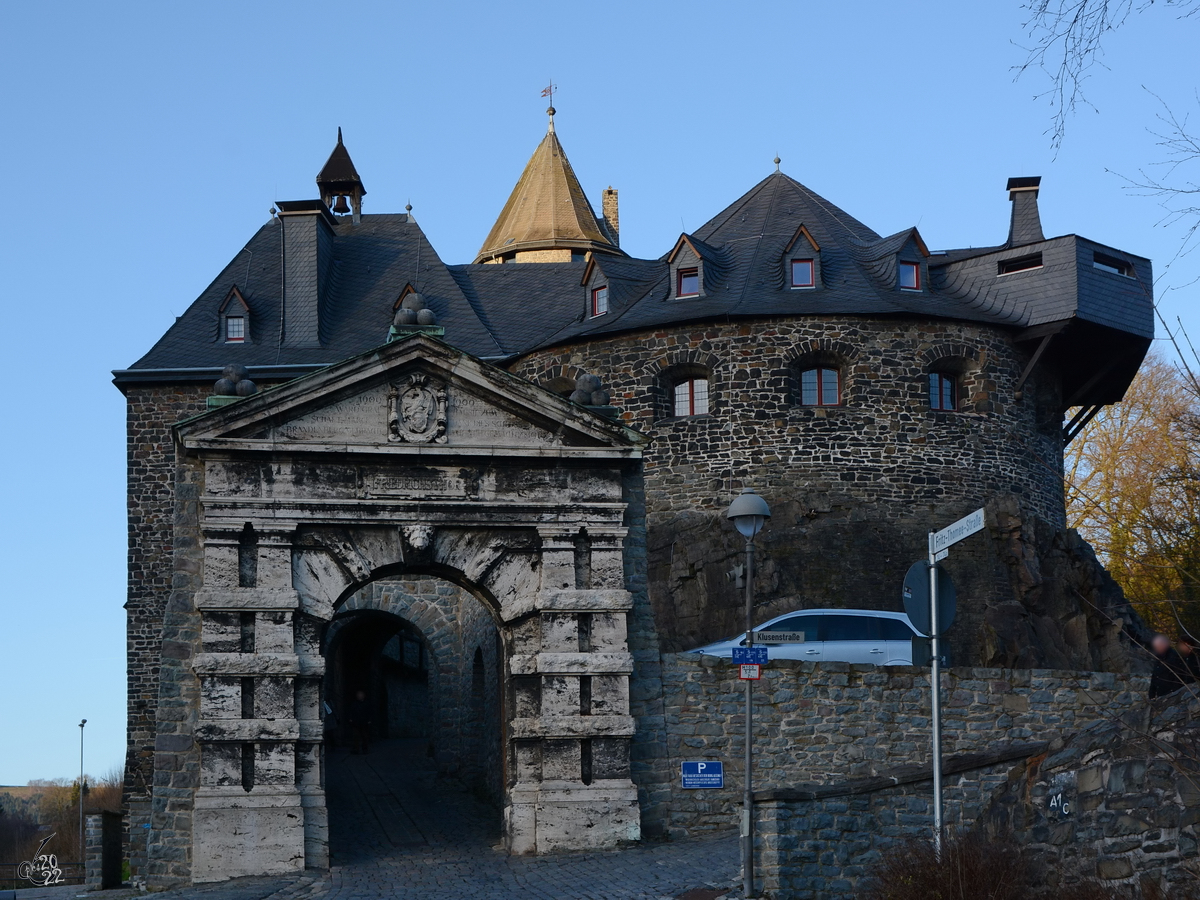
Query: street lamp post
(749,513)
(82,849)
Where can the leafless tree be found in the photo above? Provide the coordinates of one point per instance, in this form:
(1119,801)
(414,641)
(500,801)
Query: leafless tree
(1065,41)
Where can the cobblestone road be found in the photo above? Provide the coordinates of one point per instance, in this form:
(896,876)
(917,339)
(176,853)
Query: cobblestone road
(398,832)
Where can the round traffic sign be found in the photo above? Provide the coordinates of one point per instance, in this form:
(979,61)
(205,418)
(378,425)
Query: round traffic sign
(916,598)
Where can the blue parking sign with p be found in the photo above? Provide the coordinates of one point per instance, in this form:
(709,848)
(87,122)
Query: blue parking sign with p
(703,773)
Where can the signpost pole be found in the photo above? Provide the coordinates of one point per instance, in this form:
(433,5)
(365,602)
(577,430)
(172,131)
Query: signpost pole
(748,799)
(935,678)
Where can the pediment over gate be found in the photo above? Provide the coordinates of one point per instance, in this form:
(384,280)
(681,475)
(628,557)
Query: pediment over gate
(415,396)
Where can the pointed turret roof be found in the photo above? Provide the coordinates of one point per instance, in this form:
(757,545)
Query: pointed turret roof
(338,175)
(547,210)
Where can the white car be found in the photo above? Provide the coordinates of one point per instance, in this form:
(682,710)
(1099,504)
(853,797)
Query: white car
(843,635)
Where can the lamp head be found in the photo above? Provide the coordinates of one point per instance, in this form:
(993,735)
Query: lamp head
(749,513)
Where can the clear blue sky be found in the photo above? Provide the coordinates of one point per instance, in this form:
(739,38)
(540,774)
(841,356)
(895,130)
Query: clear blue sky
(144,143)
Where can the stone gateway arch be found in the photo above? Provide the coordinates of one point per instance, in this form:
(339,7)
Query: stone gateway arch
(413,459)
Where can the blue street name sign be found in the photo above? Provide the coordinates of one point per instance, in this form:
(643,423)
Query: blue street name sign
(707,773)
(749,656)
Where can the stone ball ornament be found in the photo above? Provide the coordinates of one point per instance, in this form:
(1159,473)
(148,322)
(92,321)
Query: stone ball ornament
(587,383)
(581,397)
(413,301)
(426,317)
(235,382)
(600,398)
(405,317)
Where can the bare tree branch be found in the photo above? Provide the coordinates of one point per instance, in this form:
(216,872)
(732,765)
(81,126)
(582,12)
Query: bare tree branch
(1067,40)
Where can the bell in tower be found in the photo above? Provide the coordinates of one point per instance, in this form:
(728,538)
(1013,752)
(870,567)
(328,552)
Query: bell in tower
(338,182)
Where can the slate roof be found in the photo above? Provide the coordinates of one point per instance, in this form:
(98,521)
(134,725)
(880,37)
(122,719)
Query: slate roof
(547,208)
(373,261)
(504,310)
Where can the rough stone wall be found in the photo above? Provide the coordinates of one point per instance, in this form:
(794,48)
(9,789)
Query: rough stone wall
(1119,803)
(150,413)
(823,845)
(854,489)
(827,722)
(176,754)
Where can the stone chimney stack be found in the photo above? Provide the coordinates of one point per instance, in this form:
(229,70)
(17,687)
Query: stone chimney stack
(612,219)
(1026,224)
(308,231)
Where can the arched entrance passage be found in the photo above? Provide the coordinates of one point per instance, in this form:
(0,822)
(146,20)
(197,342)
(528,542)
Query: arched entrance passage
(294,500)
(428,658)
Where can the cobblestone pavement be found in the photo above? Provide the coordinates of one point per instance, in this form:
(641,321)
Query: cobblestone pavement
(397,831)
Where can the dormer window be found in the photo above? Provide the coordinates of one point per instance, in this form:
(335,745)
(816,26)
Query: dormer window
(688,283)
(600,300)
(910,276)
(1112,265)
(233,325)
(803,273)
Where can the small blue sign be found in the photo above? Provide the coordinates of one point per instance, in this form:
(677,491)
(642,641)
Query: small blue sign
(749,656)
(706,773)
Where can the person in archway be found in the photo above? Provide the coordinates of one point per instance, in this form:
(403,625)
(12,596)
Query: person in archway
(359,719)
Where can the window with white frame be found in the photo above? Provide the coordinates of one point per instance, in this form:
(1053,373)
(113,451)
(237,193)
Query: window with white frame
(600,300)
(691,397)
(235,329)
(819,387)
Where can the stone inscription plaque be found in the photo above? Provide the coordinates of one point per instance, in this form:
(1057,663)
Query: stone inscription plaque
(475,421)
(359,419)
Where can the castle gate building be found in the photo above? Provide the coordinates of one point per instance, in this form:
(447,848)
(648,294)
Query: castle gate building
(490,495)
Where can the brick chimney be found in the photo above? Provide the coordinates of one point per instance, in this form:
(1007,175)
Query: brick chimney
(1026,224)
(612,219)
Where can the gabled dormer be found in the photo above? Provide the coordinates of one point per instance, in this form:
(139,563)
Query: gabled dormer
(697,268)
(597,299)
(234,318)
(801,261)
(899,262)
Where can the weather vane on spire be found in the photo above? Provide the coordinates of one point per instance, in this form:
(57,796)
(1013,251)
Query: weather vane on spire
(548,91)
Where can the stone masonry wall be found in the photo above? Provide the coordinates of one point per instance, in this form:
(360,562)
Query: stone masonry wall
(1118,803)
(151,411)
(820,843)
(854,489)
(829,722)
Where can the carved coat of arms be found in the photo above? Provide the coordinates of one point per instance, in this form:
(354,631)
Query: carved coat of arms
(417,411)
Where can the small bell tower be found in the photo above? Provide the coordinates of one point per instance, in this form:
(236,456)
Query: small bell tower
(338,182)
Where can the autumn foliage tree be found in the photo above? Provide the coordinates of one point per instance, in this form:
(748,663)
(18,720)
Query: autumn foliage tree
(1133,491)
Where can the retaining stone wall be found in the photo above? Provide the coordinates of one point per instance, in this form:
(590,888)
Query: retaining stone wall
(828,722)
(1119,803)
(821,846)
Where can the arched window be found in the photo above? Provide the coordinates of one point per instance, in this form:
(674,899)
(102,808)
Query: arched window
(943,390)
(691,397)
(820,386)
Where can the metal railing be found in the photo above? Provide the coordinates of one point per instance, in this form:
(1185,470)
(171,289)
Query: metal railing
(10,879)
